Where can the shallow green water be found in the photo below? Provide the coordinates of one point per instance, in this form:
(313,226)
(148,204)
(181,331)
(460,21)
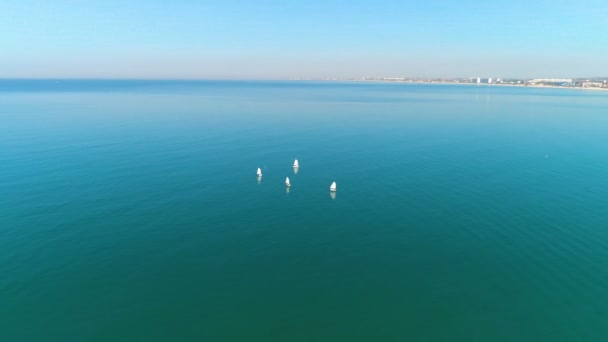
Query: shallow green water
(130,210)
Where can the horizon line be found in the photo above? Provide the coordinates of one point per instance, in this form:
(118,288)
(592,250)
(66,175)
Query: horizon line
(363,78)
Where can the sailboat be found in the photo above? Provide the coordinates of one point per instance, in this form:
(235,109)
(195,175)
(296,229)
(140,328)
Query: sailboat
(287,183)
(295,163)
(332,187)
(259,172)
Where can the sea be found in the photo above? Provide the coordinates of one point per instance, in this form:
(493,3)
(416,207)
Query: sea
(131,211)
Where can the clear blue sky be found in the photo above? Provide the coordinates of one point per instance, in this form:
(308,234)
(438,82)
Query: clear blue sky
(270,39)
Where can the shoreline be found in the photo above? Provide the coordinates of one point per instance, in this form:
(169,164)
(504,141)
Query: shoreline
(480,84)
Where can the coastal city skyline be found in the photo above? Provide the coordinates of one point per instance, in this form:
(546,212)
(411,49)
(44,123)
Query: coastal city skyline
(316,39)
(589,82)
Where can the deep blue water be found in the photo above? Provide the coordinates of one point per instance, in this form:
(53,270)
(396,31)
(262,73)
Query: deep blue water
(130,210)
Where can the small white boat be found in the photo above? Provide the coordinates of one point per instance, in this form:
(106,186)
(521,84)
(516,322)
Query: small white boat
(287,183)
(259,172)
(295,163)
(332,187)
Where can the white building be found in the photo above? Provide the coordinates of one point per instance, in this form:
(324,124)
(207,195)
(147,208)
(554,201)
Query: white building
(592,84)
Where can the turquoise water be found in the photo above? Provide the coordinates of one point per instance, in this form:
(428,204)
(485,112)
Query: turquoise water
(130,210)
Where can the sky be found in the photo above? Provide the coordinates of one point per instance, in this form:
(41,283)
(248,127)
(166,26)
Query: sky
(312,39)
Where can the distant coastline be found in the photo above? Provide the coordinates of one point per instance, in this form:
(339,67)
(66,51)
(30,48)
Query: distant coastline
(582,84)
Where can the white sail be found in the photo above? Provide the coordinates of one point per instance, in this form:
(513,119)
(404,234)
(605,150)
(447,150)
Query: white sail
(295,163)
(287,183)
(259,172)
(332,187)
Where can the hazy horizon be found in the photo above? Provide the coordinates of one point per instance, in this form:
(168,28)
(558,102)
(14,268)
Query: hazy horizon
(314,40)
(277,79)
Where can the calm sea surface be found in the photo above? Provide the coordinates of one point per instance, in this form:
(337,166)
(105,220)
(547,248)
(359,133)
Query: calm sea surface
(130,211)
